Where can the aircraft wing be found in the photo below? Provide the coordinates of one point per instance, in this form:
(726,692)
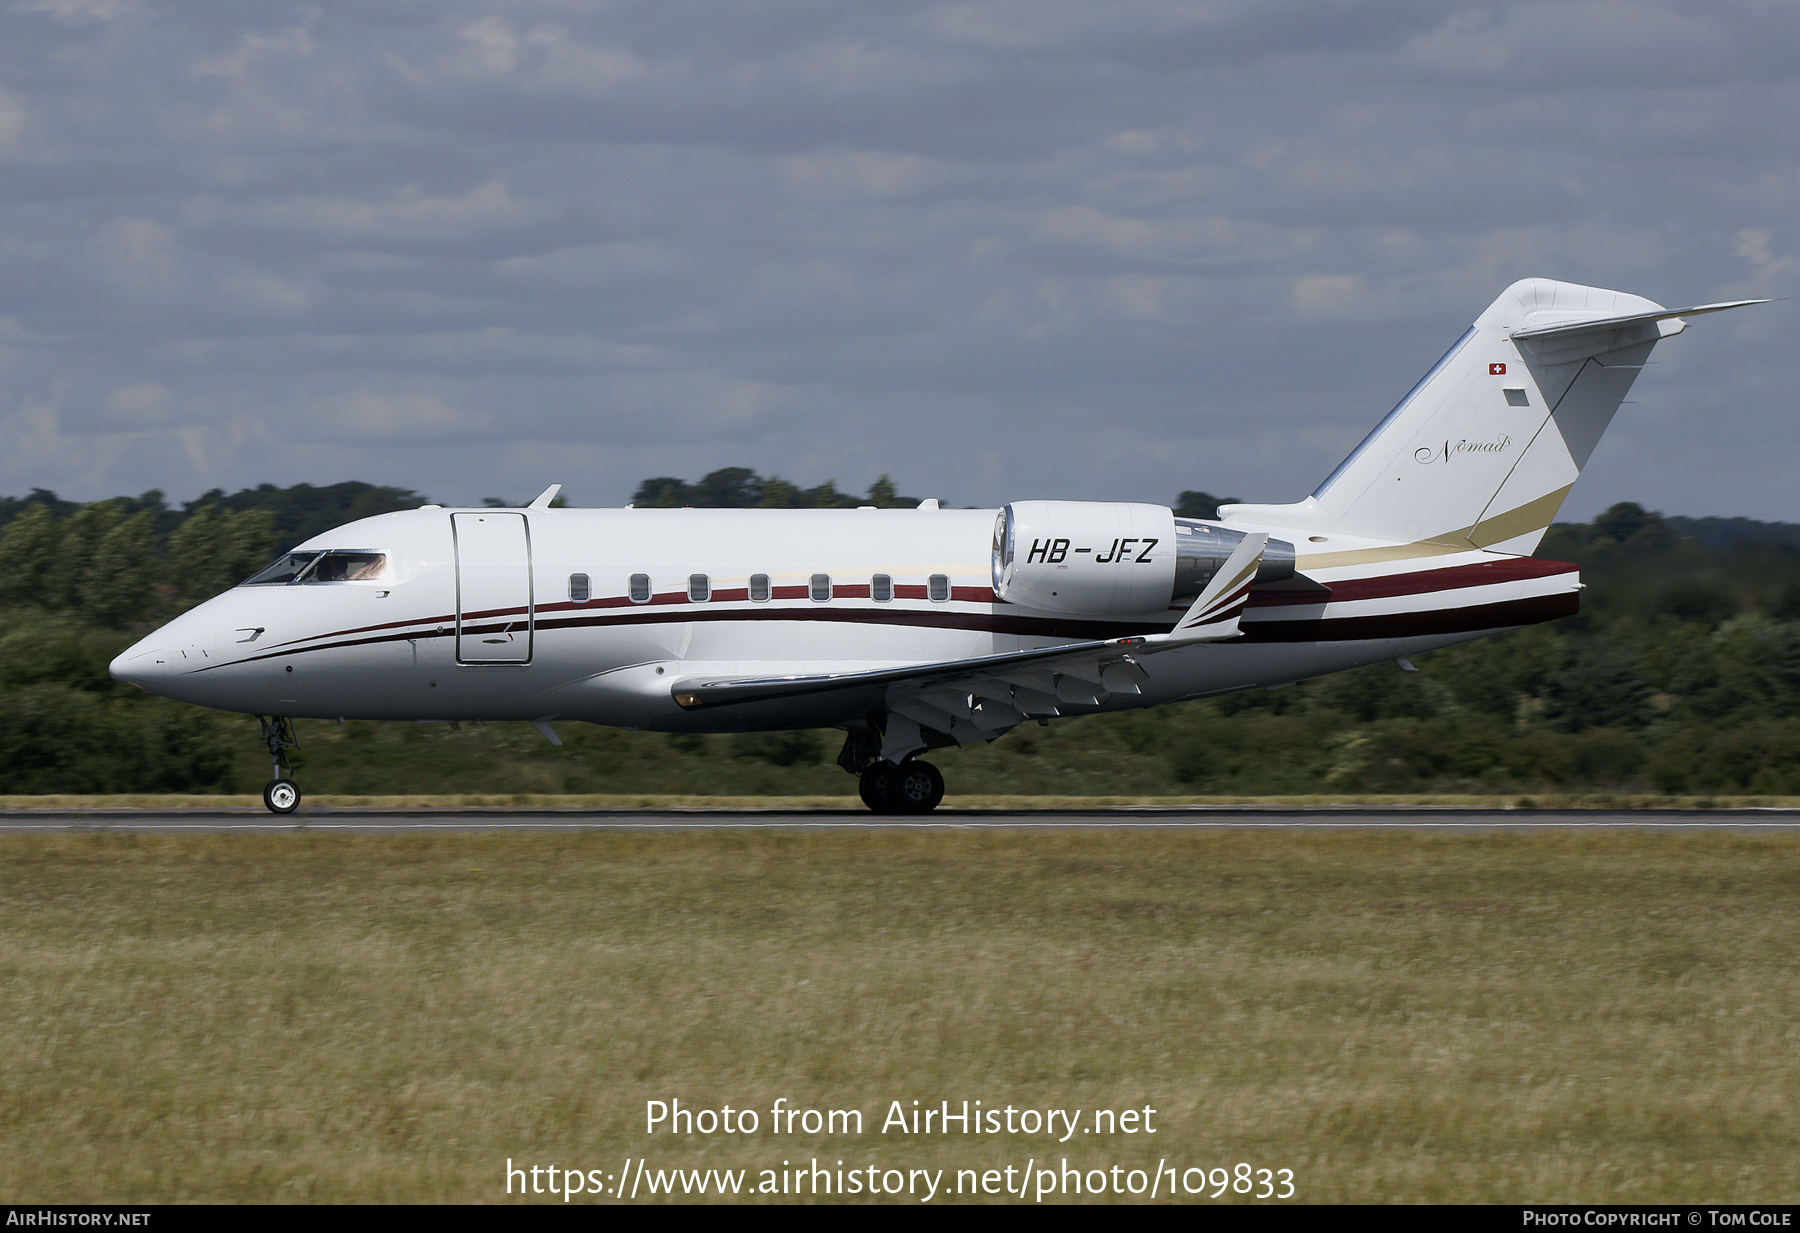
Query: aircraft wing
(703,695)
(981,697)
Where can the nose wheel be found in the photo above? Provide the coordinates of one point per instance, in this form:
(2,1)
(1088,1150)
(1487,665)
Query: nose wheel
(912,787)
(281,795)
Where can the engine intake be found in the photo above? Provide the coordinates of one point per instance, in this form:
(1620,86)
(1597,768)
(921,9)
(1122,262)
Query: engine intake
(1093,558)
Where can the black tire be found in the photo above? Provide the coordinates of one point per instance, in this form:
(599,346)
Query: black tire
(281,796)
(872,786)
(914,787)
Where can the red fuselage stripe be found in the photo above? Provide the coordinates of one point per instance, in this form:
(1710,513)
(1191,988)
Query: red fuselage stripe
(1498,615)
(1387,586)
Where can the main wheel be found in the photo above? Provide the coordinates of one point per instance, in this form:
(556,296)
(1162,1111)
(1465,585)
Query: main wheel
(914,787)
(872,786)
(281,796)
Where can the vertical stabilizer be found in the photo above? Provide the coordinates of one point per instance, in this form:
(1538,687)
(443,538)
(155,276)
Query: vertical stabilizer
(1481,453)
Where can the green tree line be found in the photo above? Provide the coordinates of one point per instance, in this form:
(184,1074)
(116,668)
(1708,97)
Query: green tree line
(80,582)
(742,488)
(1681,674)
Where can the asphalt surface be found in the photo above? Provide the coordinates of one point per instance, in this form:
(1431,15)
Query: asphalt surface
(475,821)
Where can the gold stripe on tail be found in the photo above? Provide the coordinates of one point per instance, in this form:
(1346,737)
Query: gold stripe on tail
(1532,516)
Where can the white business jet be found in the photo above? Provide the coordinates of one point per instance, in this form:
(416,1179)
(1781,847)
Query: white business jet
(916,629)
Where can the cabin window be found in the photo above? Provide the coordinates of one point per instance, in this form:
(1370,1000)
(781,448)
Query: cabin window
(759,588)
(578,588)
(284,570)
(640,588)
(881,588)
(699,588)
(940,588)
(821,588)
(1516,398)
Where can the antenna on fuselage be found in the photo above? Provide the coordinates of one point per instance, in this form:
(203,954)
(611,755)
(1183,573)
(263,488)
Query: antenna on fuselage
(545,497)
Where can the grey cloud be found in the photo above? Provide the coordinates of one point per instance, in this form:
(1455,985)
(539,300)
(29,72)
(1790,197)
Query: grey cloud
(992,248)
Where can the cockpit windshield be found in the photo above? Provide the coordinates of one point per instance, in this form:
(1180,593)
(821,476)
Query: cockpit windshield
(304,567)
(283,571)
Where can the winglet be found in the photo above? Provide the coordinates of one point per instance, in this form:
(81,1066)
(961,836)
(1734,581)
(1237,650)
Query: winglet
(1215,614)
(545,497)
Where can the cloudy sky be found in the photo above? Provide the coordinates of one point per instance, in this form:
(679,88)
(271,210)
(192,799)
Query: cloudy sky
(998,249)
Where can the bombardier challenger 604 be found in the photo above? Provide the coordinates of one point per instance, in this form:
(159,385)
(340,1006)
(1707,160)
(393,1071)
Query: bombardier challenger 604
(915,629)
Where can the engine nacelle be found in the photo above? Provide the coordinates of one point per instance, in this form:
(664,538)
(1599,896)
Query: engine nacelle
(1093,558)
(1090,557)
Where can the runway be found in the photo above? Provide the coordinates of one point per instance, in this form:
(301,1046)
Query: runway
(324,820)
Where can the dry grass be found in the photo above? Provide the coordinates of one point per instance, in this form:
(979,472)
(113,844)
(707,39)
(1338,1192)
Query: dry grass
(1597,1017)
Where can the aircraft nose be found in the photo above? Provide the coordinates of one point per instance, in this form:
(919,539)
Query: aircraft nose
(141,665)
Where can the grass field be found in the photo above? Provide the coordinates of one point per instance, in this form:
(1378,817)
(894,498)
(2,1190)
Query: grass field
(577,802)
(1605,1016)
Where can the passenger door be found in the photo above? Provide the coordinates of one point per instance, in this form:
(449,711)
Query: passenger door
(493,588)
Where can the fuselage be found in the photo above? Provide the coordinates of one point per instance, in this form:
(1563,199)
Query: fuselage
(599,614)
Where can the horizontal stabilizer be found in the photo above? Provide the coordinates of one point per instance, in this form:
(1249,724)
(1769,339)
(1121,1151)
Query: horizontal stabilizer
(1615,323)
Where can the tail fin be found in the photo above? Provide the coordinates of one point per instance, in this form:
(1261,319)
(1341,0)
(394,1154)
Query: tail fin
(1481,453)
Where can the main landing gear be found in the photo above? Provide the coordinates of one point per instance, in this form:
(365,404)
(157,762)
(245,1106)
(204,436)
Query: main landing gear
(280,796)
(911,787)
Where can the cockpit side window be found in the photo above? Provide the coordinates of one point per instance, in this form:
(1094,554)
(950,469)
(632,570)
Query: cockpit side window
(346,567)
(282,571)
(321,567)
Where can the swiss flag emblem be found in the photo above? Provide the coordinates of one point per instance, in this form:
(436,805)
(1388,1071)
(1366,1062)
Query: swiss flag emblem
(1496,370)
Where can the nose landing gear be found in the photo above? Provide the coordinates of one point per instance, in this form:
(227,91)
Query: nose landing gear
(280,795)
